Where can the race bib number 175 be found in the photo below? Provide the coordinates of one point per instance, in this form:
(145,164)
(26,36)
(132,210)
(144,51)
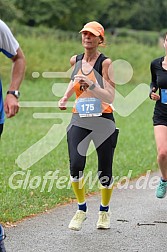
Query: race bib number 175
(88,107)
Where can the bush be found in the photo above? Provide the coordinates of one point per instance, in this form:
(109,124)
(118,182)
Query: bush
(144,37)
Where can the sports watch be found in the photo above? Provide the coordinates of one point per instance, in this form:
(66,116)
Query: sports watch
(92,86)
(16,93)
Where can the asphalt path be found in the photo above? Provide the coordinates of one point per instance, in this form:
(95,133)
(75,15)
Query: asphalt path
(138,224)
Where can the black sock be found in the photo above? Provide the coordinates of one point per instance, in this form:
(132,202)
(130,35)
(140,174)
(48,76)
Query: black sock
(82,207)
(104,208)
(163,180)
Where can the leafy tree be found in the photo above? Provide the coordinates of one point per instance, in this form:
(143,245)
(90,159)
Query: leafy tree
(66,15)
(72,14)
(8,11)
(146,15)
(116,13)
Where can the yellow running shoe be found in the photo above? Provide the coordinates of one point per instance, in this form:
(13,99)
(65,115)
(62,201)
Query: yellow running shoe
(104,220)
(77,220)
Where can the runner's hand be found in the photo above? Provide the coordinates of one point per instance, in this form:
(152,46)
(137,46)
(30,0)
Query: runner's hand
(154,96)
(11,105)
(62,103)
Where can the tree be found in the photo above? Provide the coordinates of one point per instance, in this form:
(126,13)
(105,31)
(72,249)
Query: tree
(72,14)
(146,15)
(8,11)
(66,15)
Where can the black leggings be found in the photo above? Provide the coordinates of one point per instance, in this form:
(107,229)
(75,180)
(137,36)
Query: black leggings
(1,129)
(102,132)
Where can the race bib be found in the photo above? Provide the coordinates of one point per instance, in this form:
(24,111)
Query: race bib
(164,96)
(88,107)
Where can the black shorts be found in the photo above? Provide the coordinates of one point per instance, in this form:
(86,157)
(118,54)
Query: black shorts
(159,120)
(160,114)
(1,129)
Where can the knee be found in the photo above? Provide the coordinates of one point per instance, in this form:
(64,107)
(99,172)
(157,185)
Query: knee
(76,170)
(105,179)
(162,155)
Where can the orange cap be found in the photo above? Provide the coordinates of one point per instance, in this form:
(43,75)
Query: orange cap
(95,28)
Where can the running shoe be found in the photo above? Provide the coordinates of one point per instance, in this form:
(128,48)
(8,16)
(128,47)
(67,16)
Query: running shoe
(161,189)
(77,220)
(104,220)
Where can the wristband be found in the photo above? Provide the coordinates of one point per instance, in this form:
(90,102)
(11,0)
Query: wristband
(92,86)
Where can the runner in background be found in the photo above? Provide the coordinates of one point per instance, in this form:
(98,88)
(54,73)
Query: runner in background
(10,48)
(159,83)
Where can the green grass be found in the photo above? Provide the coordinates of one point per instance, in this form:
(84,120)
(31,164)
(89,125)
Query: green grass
(135,151)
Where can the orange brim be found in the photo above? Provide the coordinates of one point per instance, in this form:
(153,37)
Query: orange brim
(96,33)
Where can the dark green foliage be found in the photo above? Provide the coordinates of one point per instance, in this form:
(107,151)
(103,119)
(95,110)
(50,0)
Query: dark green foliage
(9,11)
(72,14)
